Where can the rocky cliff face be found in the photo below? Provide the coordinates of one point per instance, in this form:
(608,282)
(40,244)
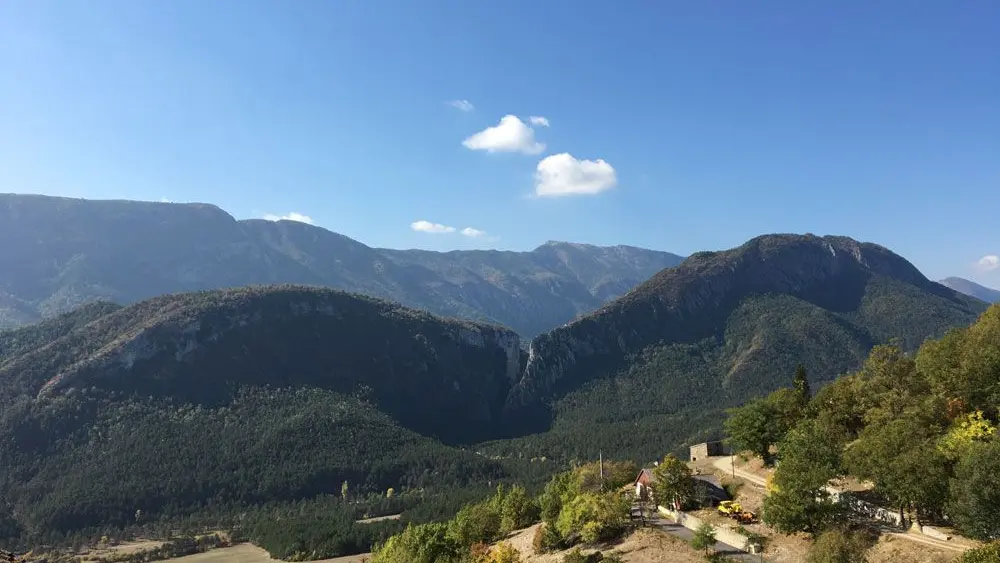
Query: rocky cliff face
(65,252)
(692,302)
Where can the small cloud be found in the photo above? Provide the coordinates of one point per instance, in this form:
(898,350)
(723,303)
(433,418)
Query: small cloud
(462,105)
(562,174)
(165,200)
(510,135)
(539,121)
(475,233)
(989,263)
(428,227)
(293,216)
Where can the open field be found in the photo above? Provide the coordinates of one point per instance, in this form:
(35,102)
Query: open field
(125,548)
(379,519)
(248,553)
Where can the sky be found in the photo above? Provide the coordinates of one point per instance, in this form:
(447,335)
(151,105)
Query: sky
(678,126)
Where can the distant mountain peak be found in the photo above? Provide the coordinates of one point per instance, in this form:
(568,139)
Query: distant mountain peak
(972,289)
(63,252)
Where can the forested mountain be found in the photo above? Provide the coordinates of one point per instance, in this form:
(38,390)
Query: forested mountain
(973,289)
(58,253)
(222,400)
(237,397)
(656,367)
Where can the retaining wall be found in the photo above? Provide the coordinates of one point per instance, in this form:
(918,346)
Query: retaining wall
(722,533)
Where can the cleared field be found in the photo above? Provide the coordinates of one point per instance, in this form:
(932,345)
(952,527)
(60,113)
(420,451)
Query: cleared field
(378,519)
(127,548)
(247,553)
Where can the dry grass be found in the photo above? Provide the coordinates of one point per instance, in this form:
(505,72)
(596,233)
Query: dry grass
(125,548)
(248,553)
(643,546)
(891,549)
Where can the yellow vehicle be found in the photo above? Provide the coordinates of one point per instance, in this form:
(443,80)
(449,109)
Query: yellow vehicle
(730,508)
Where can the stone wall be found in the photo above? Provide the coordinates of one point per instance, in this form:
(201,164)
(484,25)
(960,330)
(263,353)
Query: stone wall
(722,533)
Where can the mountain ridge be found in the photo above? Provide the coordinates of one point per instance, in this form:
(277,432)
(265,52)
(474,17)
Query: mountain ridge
(856,284)
(67,251)
(972,289)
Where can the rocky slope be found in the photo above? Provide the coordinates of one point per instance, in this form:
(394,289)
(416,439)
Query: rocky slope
(59,253)
(972,289)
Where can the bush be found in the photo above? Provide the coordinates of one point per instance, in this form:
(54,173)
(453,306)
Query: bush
(504,553)
(595,517)
(546,539)
(576,556)
(841,546)
(989,553)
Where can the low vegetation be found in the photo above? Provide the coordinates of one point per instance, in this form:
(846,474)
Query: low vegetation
(576,506)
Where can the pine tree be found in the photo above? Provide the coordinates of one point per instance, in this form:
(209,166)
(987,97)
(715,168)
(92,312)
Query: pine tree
(802,384)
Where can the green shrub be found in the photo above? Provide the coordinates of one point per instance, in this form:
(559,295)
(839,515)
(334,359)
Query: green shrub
(989,553)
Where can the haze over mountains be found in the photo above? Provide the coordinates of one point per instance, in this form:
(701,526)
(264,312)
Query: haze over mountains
(972,288)
(233,398)
(58,253)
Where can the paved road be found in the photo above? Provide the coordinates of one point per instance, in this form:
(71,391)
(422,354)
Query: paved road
(733,553)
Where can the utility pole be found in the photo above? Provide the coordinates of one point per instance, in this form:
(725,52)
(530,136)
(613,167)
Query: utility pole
(600,456)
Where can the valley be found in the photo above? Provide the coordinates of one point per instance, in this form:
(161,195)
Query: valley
(290,413)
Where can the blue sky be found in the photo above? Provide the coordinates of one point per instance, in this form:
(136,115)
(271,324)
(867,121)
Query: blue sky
(672,125)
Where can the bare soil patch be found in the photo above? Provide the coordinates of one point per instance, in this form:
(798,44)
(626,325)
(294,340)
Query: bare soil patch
(248,553)
(643,546)
(890,549)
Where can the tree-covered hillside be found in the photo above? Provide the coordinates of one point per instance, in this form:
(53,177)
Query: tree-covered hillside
(655,369)
(237,398)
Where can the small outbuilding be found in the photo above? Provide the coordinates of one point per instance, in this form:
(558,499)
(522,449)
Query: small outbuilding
(708,449)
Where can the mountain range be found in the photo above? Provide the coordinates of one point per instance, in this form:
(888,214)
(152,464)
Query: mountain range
(973,289)
(59,253)
(219,400)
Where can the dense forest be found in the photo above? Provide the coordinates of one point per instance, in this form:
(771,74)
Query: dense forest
(920,427)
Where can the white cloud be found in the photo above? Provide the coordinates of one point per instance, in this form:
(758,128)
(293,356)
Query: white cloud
(462,105)
(989,263)
(428,227)
(293,216)
(165,200)
(470,232)
(510,135)
(562,174)
(539,120)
